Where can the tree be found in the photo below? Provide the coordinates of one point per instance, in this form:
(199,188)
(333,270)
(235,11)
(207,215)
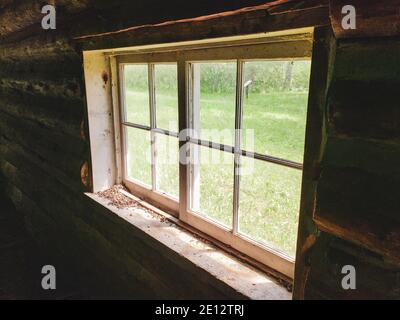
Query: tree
(287,85)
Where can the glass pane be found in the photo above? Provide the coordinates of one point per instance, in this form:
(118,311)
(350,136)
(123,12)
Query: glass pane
(138,155)
(275,107)
(269,203)
(166,86)
(214,100)
(212,184)
(167,149)
(137,94)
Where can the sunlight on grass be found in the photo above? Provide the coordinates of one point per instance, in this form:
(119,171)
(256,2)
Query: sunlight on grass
(278,120)
(217,111)
(167,164)
(215,197)
(137,101)
(166,80)
(269,204)
(138,155)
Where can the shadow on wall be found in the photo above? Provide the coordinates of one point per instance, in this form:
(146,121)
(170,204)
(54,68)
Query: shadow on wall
(21,262)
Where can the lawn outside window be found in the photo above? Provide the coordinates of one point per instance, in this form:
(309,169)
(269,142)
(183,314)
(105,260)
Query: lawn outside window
(215,136)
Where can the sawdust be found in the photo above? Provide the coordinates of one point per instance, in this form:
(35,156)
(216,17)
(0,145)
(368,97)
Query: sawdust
(121,201)
(117,198)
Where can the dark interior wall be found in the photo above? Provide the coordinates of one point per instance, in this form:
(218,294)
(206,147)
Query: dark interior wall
(358,179)
(43,149)
(44,152)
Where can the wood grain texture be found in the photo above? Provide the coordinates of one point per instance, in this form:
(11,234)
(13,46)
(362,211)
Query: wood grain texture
(323,51)
(374,18)
(278,15)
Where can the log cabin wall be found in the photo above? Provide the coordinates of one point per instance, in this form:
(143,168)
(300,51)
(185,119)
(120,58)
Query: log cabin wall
(45,160)
(357,195)
(357,180)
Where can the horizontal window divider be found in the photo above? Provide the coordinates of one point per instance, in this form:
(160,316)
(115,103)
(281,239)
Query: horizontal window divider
(255,155)
(166,132)
(212,145)
(263,157)
(137,126)
(147,128)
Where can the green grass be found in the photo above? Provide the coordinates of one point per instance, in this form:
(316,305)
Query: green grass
(269,194)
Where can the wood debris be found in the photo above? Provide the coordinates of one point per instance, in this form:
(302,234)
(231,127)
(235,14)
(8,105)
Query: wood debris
(117,198)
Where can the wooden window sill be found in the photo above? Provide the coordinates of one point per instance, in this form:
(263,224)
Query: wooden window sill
(223,267)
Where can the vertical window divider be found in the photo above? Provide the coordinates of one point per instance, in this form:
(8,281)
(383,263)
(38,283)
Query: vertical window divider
(152,98)
(194,125)
(237,147)
(183,115)
(122,110)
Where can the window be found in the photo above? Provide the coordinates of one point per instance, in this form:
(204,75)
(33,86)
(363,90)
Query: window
(216,137)
(150,127)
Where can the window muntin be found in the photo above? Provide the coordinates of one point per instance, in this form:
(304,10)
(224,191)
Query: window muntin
(229,229)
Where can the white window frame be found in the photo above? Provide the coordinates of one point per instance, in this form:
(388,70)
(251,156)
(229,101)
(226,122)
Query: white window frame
(263,48)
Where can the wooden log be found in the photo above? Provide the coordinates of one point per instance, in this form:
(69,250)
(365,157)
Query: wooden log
(367,59)
(323,50)
(18,156)
(39,45)
(374,18)
(35,221)
(63,88)
(54,141)
(378,157)
(29,13)
(59,150)
(61,105)
(240,22)
(343,210)
(41,68)
(374,234)
(367,109)
(376,277)
(59,117)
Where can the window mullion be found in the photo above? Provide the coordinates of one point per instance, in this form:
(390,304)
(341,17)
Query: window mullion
(195,126)
(183,87)
(238,137)
(152,102)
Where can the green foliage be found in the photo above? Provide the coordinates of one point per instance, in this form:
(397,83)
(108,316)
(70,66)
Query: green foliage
(270,76)
(218,77)
(136,77)
(266,76)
